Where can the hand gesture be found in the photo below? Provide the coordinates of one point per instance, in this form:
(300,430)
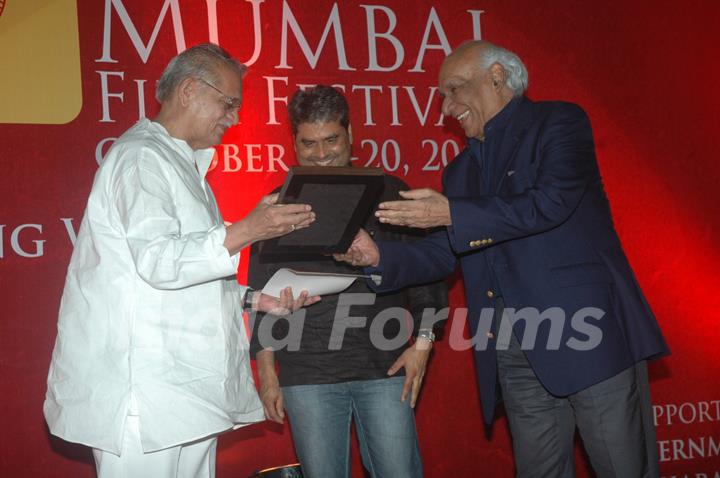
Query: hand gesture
(270,219)
(362,252)
(422,208)
(285,305)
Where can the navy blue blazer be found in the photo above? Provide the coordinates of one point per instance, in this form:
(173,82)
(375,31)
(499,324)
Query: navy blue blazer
(544,235)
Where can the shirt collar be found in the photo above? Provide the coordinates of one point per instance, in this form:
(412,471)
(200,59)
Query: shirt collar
(498,122)
(201,159)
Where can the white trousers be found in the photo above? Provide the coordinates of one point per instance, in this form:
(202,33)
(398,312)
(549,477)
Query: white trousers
(192,460)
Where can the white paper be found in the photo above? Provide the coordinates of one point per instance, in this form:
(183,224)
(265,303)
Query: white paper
(316,283)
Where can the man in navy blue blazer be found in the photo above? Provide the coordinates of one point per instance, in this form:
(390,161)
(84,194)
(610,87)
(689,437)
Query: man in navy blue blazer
(526,217)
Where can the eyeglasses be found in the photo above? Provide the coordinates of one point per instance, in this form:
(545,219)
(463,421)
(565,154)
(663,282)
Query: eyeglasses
(230,102)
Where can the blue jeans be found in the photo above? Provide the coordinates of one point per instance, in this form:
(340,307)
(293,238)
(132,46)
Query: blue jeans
(320,421)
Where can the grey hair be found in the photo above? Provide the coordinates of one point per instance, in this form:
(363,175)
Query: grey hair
(199,61)
(517,75)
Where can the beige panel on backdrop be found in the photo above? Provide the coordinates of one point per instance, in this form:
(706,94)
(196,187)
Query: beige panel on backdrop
(40,61)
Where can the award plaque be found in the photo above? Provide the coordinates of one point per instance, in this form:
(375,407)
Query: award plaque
(342,199)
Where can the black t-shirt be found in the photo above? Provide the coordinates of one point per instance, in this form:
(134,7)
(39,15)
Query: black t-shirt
(330,350)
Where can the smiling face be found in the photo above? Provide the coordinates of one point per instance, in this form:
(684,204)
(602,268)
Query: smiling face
(471,94)
(214,107)
(323,144)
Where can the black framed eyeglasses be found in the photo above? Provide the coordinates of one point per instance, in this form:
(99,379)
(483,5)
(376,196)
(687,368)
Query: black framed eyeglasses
(230,102)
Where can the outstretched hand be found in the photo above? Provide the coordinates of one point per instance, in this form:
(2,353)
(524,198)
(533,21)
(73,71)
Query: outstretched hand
(422,208)
(285,305)
(267,220)
(270,219)
(362,252)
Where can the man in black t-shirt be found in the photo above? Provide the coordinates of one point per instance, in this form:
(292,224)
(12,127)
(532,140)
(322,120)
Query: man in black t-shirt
(326,382)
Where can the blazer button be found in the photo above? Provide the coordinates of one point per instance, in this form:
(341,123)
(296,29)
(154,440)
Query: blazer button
(490,294)
(490,335)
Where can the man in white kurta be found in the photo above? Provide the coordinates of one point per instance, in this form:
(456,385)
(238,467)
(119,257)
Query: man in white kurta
(151,343)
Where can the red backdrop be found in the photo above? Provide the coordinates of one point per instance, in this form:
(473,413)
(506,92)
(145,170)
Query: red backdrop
(644,71)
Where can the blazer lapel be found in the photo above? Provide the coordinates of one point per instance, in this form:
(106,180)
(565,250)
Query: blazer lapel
(519,123)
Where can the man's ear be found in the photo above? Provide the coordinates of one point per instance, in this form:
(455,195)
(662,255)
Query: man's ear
(186,91)
(497,75)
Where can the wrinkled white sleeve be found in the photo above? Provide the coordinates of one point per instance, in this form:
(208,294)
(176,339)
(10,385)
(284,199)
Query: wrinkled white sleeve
(165,256)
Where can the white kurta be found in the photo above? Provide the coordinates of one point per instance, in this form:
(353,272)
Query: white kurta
(151,307)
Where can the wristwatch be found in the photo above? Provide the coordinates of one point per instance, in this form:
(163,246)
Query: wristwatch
(248,298)
(426,334)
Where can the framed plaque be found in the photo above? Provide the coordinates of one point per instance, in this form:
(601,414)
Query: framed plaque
(342,199)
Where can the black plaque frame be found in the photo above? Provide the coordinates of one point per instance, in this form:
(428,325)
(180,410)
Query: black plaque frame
(342,198)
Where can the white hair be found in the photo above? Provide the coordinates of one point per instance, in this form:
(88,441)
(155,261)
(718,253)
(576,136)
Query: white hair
(199,61)
(517,75)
